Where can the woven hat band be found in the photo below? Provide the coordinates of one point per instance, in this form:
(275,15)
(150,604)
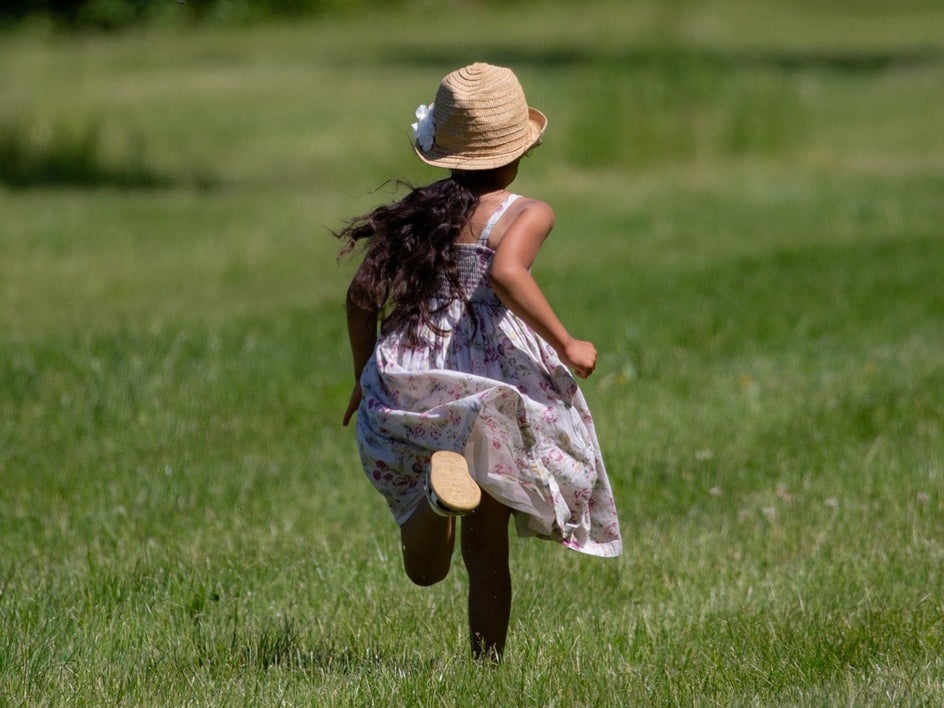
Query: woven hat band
(482,120)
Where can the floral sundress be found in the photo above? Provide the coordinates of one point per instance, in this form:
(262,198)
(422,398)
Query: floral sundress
(491,389)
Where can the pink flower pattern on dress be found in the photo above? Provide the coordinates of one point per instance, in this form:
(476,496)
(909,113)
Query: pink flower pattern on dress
(493,390)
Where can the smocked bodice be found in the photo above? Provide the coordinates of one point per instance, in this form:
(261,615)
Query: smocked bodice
(474,260)
(474,263)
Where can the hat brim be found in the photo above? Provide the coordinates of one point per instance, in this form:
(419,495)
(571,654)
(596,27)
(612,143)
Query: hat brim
(493,158)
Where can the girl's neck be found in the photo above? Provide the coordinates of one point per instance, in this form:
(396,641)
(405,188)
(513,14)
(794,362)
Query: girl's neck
(488,182)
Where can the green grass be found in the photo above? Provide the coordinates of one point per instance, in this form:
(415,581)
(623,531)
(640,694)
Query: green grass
(749,208)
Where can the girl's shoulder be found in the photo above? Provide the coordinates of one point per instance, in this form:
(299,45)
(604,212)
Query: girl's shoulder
(531,214)
(534,207)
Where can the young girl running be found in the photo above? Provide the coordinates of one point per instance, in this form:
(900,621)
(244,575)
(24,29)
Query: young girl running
(465,405)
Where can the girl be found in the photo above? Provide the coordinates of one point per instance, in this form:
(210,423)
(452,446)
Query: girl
(468,371)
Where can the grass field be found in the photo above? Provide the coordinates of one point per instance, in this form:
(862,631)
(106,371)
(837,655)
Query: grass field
(749,202)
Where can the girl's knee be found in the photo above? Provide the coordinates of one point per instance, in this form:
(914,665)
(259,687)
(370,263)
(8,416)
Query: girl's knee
(424,575)
(426,541)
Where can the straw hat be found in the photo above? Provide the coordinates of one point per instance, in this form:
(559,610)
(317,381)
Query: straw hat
(480,120)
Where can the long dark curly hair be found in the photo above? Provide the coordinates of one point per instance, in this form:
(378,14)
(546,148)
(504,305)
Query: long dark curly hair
(408,253)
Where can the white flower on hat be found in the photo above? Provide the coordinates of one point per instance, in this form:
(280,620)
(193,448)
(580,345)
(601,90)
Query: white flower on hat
(424,129)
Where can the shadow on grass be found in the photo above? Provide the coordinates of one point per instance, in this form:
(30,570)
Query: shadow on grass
(261,644)
(847,61)
(72,156)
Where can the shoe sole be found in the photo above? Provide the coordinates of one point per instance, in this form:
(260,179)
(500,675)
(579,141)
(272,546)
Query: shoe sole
(451,482)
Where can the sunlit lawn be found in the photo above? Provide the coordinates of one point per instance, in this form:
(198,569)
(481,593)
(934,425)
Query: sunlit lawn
(748,226)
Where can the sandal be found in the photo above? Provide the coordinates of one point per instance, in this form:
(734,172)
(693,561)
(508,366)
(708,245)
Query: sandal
(450,489)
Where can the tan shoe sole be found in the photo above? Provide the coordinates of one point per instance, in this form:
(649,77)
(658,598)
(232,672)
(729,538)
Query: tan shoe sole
(451,483)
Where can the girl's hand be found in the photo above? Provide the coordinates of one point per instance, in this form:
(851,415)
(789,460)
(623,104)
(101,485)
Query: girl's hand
(581,356)
(353,403)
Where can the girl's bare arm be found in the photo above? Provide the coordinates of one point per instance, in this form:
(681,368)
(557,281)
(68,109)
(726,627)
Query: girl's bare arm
(512,280)
(362,333)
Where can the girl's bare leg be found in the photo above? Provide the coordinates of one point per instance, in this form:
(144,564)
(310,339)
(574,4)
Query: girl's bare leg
(427,541)
(485,552)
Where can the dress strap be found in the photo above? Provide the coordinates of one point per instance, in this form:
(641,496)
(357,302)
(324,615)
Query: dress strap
(496,215)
